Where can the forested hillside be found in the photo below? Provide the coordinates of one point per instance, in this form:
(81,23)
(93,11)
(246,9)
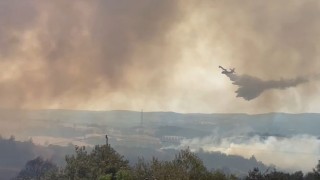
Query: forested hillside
(104,163)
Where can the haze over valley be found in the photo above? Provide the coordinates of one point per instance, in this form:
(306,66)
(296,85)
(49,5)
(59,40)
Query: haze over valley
(224,141)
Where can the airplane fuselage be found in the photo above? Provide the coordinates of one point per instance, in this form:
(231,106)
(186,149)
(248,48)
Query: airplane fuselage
(225,71)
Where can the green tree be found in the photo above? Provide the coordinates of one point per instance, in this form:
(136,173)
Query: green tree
(37,169)
(255,174)
(316,171)
(105,177)
(124,175)
(101,162)
(315,174)
(189,164)
(185,166)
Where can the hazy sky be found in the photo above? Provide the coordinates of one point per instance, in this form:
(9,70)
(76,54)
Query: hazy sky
(157,55)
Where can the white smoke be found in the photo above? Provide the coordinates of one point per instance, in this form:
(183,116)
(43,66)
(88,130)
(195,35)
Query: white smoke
(300,152)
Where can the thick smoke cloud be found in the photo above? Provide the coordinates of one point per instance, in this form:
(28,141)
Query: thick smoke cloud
(108,54)
(251,87)
(71,51)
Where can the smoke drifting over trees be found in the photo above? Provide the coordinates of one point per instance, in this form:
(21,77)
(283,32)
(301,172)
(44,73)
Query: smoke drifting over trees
(284,152)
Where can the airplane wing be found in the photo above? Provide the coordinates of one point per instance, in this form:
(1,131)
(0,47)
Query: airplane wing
(222,68)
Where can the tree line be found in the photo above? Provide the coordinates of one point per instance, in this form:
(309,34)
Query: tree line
(104,163)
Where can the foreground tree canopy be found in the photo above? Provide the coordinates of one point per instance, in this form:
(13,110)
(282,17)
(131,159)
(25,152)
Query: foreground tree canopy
(38,169)
(104,163)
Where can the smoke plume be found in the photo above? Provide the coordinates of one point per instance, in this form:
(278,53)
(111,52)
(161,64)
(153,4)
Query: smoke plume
(251,87)
(288,153)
